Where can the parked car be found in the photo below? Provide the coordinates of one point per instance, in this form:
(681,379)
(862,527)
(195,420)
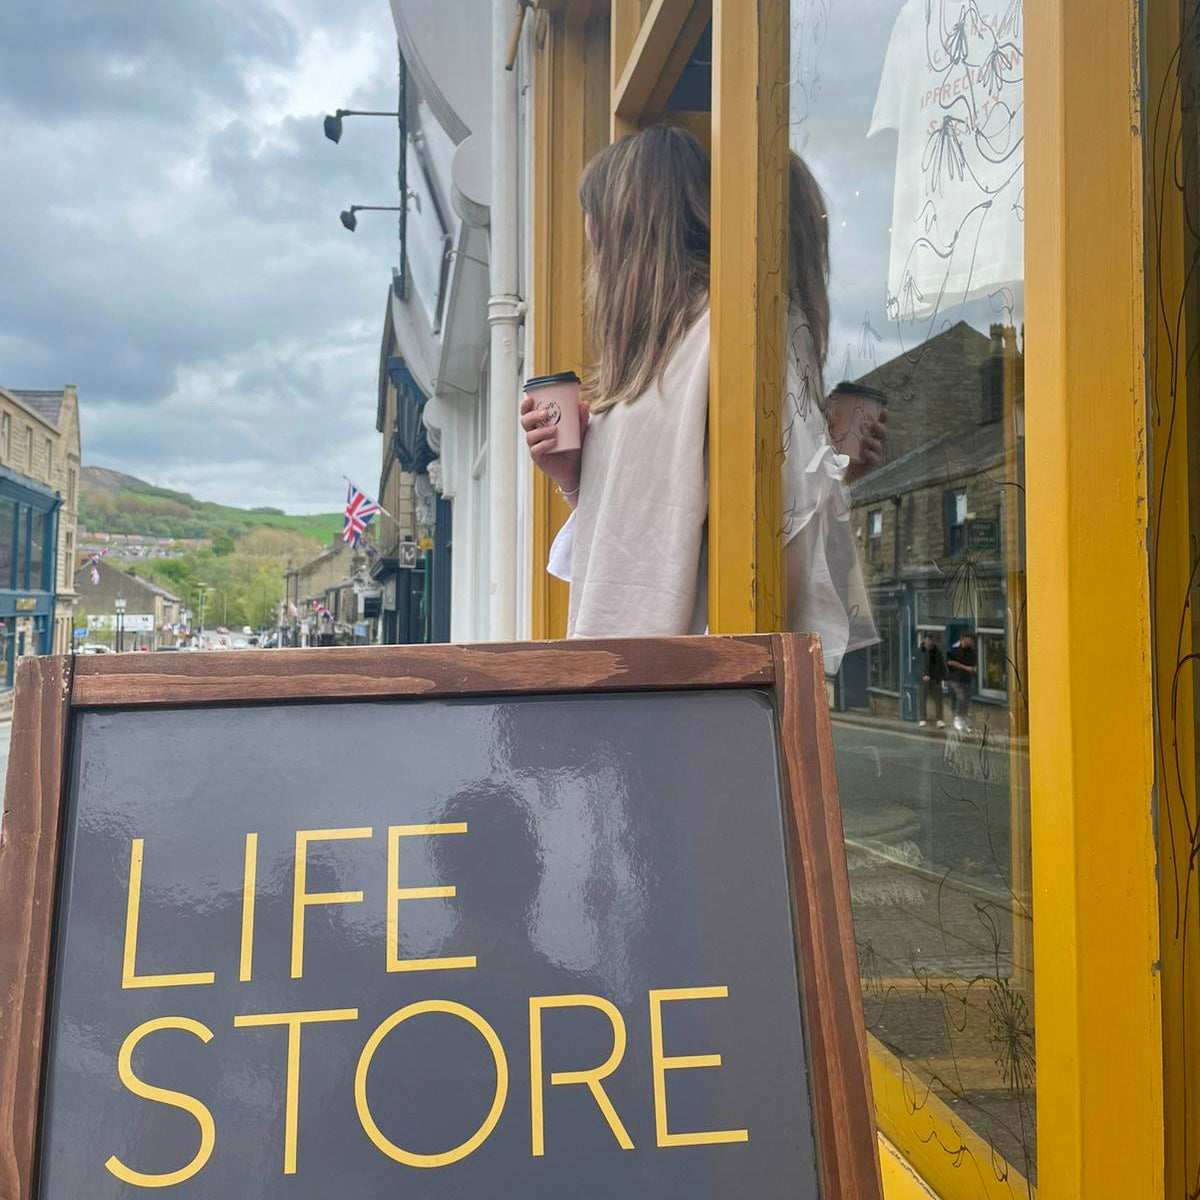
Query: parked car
(92,648)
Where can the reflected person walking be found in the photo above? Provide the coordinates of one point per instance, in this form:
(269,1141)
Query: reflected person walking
(933,676)
(962,665)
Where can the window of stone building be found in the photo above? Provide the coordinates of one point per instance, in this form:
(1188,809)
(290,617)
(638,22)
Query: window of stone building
(874,531)
(5,436)
(72,487)
(28,449)
(49,450)
(956,522)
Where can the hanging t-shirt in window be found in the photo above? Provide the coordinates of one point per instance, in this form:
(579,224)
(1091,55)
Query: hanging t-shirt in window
(952,88)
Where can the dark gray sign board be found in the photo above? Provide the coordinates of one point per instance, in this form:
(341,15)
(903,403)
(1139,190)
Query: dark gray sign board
(557,920)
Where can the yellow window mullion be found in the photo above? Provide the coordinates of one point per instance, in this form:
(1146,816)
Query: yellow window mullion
(1099,1069)
(749,314)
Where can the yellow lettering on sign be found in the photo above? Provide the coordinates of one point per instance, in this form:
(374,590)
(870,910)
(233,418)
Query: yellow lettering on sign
(388,1147)
(661,1064)
(249,880)
(293,1021)
(189,1104)
(590,1078)
(396,893)
(129,976)
(301,899)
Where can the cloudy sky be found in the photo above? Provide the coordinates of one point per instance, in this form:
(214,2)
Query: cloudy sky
(171,242)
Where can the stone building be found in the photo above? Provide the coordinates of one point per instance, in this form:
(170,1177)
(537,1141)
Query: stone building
(415,581)
(939,524)
(323,579)
(150,615)
(39,496)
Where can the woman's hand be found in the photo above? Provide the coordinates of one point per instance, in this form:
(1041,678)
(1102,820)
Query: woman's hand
(870,447)
(562,468)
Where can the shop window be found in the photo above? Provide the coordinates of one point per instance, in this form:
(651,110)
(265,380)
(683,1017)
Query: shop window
(884,673)
(35,573)
(8,531)
(7,651)
(906,121)
(993,663)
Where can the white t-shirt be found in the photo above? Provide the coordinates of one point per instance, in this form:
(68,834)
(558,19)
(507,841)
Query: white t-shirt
(952,88)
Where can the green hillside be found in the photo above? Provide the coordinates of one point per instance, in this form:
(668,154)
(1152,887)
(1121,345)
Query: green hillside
(111,502)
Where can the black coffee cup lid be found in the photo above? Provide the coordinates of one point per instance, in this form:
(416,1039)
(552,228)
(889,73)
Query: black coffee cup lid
(539,381)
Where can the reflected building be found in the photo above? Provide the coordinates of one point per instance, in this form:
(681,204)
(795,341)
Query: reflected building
(939,524)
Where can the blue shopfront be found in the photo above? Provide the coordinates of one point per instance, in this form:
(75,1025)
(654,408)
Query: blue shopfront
(28,537)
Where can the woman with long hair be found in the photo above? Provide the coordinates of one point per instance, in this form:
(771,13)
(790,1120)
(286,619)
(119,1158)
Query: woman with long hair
(635,549)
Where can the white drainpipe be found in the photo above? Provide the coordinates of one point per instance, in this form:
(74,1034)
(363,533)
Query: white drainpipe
(504,317)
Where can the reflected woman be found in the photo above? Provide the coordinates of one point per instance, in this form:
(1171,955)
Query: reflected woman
(635,548)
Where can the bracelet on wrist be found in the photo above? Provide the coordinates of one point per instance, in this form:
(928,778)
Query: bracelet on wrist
(568,495)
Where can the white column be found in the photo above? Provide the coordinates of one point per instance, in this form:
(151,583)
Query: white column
(504,317)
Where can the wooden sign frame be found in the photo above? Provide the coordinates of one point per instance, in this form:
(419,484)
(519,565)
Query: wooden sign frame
(50,691)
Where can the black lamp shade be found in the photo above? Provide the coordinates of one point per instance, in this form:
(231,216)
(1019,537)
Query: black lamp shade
(333,128)
(349,219)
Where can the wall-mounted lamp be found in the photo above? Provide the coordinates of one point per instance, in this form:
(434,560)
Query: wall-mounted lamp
(350,221)
(333,124)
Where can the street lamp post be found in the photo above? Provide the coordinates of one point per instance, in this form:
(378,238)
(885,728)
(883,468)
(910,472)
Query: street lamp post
(203,589)
(119,605)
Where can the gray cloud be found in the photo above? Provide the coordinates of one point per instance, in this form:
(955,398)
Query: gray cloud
(171,242)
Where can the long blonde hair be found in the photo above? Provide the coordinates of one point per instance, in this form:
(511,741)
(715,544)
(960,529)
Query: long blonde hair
(808,237)
(646,200)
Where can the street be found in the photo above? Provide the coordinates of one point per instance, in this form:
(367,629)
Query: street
(5,737)
(935,801)
(944,940)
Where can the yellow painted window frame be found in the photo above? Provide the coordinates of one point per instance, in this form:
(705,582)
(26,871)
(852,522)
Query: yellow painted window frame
(1096,936)
(600,71)
(1173,382)
(1095,910)
(1098,1016)
(571,122)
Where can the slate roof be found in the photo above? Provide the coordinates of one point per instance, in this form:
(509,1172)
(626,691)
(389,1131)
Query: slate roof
(954,455)
(47,405)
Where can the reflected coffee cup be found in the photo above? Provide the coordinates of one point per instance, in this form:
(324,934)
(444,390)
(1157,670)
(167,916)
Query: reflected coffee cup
(558,397)
(850,407)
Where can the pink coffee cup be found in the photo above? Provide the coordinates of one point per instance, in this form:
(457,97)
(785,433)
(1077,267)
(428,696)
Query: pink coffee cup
(848,410)
(558,395)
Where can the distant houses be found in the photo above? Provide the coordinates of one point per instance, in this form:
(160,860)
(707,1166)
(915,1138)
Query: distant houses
(126,612)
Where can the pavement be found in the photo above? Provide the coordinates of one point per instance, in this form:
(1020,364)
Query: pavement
(5,738)
(942,918)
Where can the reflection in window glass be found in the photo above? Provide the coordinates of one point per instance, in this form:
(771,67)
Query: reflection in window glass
(909,114)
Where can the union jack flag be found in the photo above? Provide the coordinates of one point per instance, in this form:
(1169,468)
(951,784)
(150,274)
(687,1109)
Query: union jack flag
(93,565)
(360,508)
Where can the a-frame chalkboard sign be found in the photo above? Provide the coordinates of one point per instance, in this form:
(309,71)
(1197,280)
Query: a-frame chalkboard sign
(565,919)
